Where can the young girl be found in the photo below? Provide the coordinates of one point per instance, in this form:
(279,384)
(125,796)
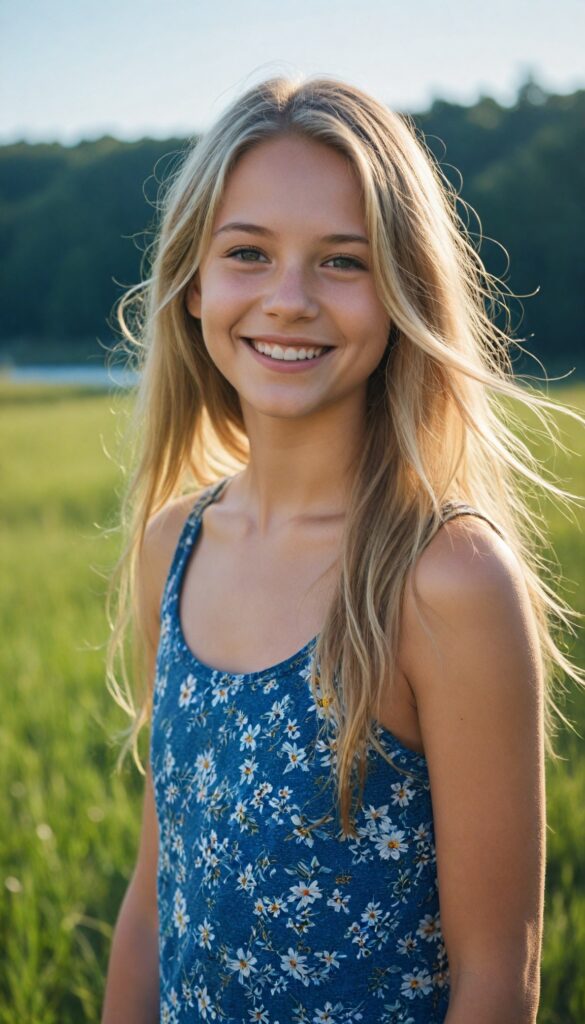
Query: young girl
(345,640)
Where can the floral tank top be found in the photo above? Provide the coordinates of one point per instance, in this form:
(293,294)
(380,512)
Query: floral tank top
(267,913)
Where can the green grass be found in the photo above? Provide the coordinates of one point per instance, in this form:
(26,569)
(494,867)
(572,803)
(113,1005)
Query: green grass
(69,824)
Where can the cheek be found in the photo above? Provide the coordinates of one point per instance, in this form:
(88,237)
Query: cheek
(369,322)
(221,296)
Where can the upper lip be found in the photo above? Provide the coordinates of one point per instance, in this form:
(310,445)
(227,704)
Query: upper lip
(286,340)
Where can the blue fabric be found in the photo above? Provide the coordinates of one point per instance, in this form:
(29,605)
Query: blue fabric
(260,919)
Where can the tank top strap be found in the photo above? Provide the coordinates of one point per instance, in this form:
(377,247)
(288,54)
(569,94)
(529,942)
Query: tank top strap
(458,508)
(186,540)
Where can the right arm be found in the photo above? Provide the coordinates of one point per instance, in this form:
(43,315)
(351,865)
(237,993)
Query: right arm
(132,986)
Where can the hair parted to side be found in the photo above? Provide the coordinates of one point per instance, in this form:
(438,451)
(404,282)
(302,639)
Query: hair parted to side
(439,426)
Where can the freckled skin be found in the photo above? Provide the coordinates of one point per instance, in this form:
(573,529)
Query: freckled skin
(295,284)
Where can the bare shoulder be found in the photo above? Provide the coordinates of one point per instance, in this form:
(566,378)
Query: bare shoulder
(467,552)
(161,537)
(164,529)
(471,655)
(466,595)
(467,570)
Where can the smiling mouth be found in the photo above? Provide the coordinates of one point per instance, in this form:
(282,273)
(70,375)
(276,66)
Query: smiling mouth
(288,353)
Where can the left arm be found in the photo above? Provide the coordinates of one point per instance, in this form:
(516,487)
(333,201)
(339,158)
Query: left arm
(477,681)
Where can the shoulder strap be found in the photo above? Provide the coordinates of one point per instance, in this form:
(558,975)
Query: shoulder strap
(205,498)
(186,540)
(459,508)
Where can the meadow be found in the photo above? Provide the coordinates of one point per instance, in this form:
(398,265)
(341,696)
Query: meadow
(69,822)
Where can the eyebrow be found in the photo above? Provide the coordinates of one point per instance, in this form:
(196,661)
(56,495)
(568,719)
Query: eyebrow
(256,229)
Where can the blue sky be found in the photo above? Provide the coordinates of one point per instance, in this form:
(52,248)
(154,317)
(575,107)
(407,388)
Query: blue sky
(71,69)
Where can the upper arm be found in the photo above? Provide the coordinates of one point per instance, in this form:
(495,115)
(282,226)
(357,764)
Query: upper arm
(154,560)
(475,671)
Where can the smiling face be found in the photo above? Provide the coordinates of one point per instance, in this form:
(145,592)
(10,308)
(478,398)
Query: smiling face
(288,271)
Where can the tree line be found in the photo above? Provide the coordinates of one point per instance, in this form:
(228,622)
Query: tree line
(75,222)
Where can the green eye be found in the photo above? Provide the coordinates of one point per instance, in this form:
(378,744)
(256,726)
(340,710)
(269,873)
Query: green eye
(245,254)
(348,263)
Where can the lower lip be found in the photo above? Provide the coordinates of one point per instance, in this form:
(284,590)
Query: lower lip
(287,365)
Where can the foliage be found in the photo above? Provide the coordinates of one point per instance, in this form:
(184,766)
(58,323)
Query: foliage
(75,223)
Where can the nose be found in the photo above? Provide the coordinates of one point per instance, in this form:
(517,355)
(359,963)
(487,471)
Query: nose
(289,296)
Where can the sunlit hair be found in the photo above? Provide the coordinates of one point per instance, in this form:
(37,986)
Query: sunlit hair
(440,424)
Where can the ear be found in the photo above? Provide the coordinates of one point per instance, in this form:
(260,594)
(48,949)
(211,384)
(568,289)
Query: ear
(193,297)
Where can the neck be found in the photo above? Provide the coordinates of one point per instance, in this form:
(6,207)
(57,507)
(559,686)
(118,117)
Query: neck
(300,468)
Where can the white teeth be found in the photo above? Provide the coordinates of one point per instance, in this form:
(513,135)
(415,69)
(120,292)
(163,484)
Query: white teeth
(289,353)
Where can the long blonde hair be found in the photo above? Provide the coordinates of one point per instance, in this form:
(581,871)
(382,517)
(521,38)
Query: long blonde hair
(438,425)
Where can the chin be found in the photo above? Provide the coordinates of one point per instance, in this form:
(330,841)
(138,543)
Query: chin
(278,407)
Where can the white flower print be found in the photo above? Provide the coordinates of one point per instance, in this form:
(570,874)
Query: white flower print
(247,769)
(402,795)
(328,749)
(441,978)
(180,916)
(187,993)
(165,626)
(296,757)
(390,844)
(305,894)
(338,901)
(301,831)
(259,1015)
(204,1003)
(178,844)
(421,834)
(171,793)
(239,812)
(407,945)
(246,880)
(275,906)
(260,793)
(372,914)
(206,934)
(168,1015)
(277,711)
(160,684)
(244,964)
(378,816)
(292,730)
(429,927)
(280,985)
(330,959)
(220,694)
(416,984)
(361,942)
(204,763)
(186,691)
(169,762)
(248,737)
(293,964)
(325,1016)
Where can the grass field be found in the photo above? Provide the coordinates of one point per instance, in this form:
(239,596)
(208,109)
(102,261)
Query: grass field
(69,824)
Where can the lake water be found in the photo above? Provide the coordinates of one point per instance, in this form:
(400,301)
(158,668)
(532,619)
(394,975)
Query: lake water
(71,373)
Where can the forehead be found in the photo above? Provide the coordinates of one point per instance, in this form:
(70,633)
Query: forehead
(293,178)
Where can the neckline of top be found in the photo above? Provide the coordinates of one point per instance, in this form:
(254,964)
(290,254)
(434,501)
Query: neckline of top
(185,550)
(187,545)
